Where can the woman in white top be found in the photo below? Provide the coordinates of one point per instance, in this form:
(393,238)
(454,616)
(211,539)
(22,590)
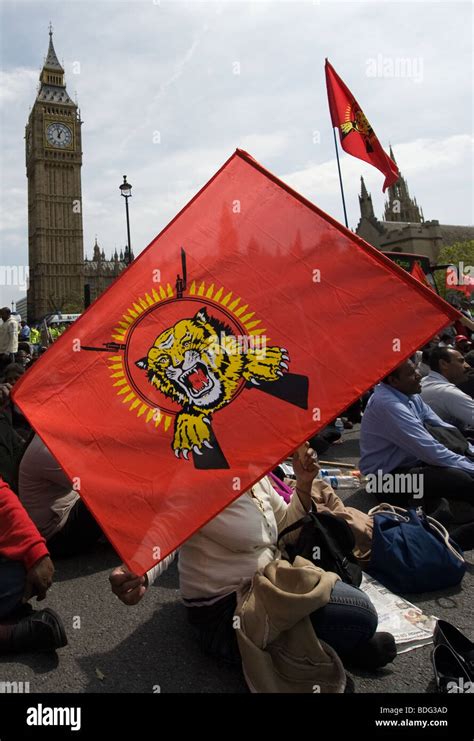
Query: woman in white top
(241,540)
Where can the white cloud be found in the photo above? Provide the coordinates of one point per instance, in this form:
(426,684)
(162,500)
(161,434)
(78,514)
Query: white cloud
(16,84)
(417,160)
(265,146)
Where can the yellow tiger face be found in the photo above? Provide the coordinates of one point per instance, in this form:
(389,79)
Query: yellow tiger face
(190,363)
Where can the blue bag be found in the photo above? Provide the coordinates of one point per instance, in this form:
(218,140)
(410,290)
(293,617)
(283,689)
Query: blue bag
(412,552)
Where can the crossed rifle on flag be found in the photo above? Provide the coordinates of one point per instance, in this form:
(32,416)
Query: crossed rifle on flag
(204,446)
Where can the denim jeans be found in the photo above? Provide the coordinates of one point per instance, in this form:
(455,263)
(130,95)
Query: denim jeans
(347,621)
(12,585)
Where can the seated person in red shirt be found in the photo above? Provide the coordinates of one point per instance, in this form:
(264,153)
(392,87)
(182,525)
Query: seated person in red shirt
(26,570)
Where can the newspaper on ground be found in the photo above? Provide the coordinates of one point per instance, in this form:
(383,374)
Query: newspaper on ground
(408,624)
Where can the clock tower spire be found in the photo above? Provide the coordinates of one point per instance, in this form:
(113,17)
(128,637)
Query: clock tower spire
(53,168)
(52,72)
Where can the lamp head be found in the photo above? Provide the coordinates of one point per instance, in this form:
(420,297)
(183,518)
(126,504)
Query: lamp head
(126,188)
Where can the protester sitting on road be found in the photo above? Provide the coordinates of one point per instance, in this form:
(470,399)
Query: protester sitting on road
(23,356)
(465,320)
(467,386)
(237,543)
(469,358)
(53,504)
(13,372)
(11,444)
(394,439)
(20,424)
(446,340)
(462,344)
(423,363)
(26,571)
(439,388)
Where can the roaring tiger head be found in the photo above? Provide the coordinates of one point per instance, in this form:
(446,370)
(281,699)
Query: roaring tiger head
(193,364)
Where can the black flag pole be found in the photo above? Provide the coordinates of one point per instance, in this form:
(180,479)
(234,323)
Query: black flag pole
(183,265)
(340,178)
(181,281)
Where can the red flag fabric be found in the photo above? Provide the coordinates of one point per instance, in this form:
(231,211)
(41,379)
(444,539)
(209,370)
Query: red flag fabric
(418,273)
(246,325)
(457,281)
(356,134)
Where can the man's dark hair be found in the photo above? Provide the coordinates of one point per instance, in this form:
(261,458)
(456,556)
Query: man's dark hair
(469,358)
(395,372)
(446,337)
(13,368)
(437,354)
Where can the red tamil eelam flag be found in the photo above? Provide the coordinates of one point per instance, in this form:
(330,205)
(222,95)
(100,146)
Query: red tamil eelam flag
(245,326)
(356,134)
(418,273)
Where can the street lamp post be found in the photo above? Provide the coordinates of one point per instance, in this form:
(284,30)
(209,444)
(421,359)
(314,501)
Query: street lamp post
(126,191)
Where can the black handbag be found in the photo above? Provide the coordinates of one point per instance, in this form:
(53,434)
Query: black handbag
(328,542)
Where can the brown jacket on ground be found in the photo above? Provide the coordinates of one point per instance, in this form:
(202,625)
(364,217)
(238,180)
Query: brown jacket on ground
(279,648)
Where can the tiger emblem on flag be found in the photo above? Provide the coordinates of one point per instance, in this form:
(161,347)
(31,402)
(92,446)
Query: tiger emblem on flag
(199,365)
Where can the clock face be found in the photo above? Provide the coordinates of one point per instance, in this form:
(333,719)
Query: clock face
(59,135)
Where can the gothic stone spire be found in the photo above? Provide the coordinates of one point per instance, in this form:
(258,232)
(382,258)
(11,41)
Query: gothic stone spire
(365,202)
(400,206)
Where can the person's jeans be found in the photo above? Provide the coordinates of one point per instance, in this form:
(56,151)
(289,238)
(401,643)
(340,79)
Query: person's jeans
(12,585)
(347,621)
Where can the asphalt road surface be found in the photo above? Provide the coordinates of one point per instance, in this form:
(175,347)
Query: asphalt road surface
(150,647)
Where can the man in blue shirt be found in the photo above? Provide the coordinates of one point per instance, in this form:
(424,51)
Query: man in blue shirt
(394,440)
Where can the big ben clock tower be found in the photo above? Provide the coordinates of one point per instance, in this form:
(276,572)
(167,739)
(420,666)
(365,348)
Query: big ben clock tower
(53,168)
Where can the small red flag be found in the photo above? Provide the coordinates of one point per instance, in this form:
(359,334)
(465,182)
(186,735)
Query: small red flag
(247,324)
(418,273)
(456,280)
(356,134)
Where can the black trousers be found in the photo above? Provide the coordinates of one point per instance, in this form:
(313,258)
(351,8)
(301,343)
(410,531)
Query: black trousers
(438,482)
(448,496)
(215,631)
(79,533)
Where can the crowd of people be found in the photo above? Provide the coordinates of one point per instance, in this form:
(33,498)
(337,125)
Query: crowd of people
(20,342)
(419,420)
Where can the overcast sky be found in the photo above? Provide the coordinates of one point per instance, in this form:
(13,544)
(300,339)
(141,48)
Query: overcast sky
(168,90)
